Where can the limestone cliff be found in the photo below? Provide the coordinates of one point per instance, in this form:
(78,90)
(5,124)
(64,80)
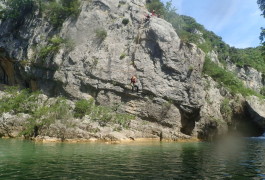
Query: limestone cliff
(175,100)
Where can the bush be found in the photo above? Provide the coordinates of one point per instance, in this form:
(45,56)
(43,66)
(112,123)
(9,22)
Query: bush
(156,5)
(101,34)
(123,119)
(59,11)
(16,9)
(262,91)
(227,79)
(125,21)
(122,56)
(226,110)
(46,115)
(52,48)
(83,107)
(101,114)
(18,101)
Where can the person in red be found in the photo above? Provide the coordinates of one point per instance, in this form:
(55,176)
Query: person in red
(147,18)
(153,13)
(133,83)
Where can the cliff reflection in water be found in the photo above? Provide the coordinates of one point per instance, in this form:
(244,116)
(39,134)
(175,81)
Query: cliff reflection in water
(226,159)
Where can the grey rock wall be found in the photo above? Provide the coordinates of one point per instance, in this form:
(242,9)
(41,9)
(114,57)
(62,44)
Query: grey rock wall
(174,99)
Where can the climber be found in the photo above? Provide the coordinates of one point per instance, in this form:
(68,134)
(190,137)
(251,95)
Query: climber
(147,18)
(133,83)
(153,13)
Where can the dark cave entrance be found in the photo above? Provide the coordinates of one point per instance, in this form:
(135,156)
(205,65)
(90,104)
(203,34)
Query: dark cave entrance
(7,71)
(3,76)
(246,124)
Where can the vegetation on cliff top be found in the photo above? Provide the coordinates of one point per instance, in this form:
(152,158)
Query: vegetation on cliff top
(227,79)
(56,11)
(192,32)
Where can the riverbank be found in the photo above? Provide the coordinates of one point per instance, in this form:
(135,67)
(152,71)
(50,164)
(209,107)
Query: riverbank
(94,140)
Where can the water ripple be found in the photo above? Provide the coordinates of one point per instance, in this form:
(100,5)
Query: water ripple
(28,160)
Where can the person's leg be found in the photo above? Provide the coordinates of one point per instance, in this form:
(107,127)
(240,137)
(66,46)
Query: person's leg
(132,87)
(137,88)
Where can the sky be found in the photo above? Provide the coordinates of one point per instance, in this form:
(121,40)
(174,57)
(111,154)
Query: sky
(238,22)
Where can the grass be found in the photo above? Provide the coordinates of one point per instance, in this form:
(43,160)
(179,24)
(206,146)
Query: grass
(225,109)
(101,34)
(52,48)
(43,115)
(58,11)
(125,21)
(123,55)
(101,114)
(227,79)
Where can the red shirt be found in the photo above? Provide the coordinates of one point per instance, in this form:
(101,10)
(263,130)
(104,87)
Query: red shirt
(133,79)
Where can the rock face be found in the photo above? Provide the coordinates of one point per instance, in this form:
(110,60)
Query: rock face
(256,107)
(250,76)
(172,97)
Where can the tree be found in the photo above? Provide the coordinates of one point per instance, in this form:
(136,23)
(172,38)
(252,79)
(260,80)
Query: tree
(16,9)
(261,4)
(156,5)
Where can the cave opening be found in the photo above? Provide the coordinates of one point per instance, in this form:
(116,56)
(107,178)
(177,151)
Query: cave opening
(7,71)
(248,128)
(245,124)
(3,76)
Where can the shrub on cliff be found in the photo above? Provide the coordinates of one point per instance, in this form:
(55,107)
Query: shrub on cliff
(83,107)
(52,48)
(101,35)
(156,5)
(262,91)
(125,21)
(58,11)
(16,9)
(226,79)
(18,101)
(226,110)
(46,115)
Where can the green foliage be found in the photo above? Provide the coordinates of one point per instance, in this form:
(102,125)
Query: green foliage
(248,57)
(261,4)
(121,3)
(155,5)
(262,91)
(101,34)
(123,119)
(57,109)
(101,114)
(226,79)
(83,107)
(225,109)
(58,11)
(52,48)
(16,9)
(18,101)
(125,21)
(44,116)
(123,55)
(192,32)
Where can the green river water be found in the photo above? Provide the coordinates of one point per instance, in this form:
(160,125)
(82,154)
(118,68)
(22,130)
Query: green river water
(231,159)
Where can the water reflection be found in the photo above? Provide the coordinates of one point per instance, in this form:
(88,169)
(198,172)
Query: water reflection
(229,159)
